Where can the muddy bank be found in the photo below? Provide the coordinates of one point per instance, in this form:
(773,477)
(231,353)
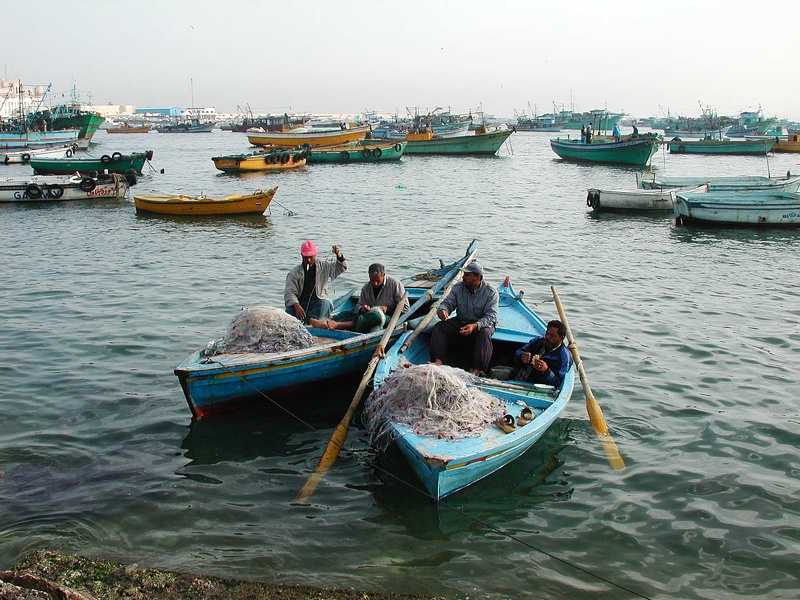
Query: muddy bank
(50,575)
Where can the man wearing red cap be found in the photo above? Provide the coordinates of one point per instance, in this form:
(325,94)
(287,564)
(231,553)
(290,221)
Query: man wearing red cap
(307,284)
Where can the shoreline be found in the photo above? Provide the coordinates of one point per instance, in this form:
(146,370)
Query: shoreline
(47,574)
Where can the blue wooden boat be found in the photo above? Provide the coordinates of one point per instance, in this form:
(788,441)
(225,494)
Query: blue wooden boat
(741,183)
(740,147)
(630,151)
(763,209)
(219,382)
(447,465)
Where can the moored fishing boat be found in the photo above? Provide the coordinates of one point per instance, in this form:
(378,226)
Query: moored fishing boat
(789,183)
(629,151)
(214,382)
(178,204)
(305,136)
(190,126)
(276,160)
(656,200)
(482,143)
(128,128)
(742,147)
(24,156)
(113,163)
(12,140)
(753,208)
(443,464)
(358,152)
(791,144)
(49,188)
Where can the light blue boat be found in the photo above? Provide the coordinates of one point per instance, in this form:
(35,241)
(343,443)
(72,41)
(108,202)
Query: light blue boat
(218,382)
(763,209)
(741,147)
(445,466)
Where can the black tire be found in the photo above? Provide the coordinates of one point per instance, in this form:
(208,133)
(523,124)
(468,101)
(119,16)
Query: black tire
(344,155)
(270,159)
(366,153)
(267,159)
(398,147)
(93,174)
(105,159)
(116,157)
(377,152)
(87,184)
(33,191)
(26,157)
(284,158)
(149,155)
(68,153)
(589,199)
(55,191)
(131,179)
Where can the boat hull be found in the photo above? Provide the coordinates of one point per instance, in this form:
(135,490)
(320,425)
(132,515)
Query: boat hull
(790,183)
(225,381)
(740,147)
(24,156)
(143,129)
(480,144)
(58,188)
(358,152)
(116,163)
(290,139)
(12,140)
(186,205)
(656,201)
(627,152)
(260,161)
(445,466)
(742,208)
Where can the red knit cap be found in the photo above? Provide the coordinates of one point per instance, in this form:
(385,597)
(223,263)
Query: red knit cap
(308,249)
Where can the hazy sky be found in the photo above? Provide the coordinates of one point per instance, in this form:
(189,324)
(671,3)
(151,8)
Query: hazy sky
(641,57)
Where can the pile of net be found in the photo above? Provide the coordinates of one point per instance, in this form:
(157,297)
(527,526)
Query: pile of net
(431,401)
(265,329)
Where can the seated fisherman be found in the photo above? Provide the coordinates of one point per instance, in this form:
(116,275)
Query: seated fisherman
(544,359)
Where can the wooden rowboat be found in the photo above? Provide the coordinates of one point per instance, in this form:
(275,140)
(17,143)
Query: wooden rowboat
(127,128)
(217,382)
(742,183)
(639,200)
(24,156)
(302,136)
(739,147)
(166,204)
(358,152)
(753,208)
(480,144)
(277,160)
(791,144)
(445,465)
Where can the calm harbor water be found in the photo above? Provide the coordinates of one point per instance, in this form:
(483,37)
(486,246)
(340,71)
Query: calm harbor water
(690,338)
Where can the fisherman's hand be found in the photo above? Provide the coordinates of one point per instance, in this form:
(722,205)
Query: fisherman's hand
(468,329)
(540,365)
(335,249)
(299,312)
(443,314)
(525,357)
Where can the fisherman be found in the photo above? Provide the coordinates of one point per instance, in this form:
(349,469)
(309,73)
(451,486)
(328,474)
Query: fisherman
(544,359)
(307,284)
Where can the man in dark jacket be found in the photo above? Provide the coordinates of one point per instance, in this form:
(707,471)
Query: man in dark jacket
(545,359)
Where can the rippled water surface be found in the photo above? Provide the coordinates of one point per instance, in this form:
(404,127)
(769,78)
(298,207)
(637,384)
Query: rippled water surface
(689,336)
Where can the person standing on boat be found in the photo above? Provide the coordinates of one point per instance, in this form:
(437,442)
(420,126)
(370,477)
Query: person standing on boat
(307,284)
(588,134)
(583,134)
(615,133)
(376,304)
(476,304)
(545,359)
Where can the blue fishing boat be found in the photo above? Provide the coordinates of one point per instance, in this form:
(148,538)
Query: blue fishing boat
(445,465)
(741,183)
(754,208)
(215,382)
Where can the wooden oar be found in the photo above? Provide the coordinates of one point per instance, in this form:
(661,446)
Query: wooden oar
(592,406)
(340,433)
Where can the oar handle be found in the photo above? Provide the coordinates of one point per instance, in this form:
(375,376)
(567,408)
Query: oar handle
(340,433)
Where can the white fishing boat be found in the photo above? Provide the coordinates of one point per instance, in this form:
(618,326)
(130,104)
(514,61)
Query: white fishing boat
(24,156)
(761,208)
(636,200)
(51,188)
(651,181)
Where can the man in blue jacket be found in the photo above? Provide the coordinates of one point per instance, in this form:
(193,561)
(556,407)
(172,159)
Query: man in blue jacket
(545,359)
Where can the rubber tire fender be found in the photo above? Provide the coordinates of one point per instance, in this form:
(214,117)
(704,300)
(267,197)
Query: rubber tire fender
(56,191)
(33,190)
(377,152)
(87,184)
(105,159)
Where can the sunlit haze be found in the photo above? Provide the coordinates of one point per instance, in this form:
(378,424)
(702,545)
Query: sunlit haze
(643,58)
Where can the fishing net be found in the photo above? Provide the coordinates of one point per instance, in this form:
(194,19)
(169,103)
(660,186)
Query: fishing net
(265,329)
(432,401)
